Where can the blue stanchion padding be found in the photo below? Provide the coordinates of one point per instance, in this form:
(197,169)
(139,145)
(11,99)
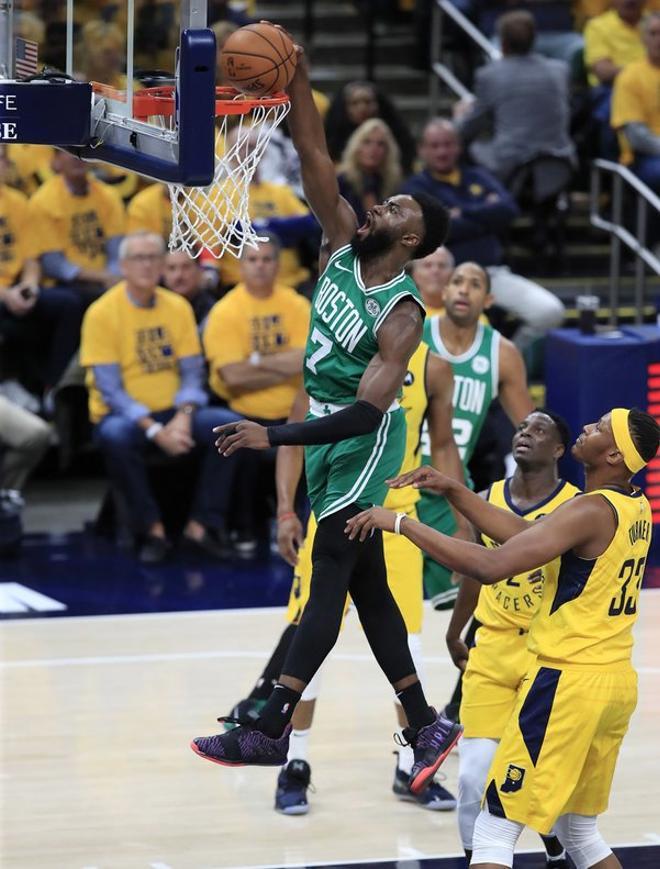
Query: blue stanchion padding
(587,375)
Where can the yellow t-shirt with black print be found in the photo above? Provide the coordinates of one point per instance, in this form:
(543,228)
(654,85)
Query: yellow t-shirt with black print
(79,226)
(146,343)
(15,235)
(239,325)
(150,210)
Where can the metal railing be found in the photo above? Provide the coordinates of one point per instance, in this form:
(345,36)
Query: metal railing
(636,242)
(440,70)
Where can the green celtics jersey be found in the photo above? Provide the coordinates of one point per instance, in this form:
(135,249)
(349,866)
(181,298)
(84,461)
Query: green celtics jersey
(476,376)
(344,326)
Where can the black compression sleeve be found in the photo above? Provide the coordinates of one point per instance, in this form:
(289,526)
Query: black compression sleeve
(358,419)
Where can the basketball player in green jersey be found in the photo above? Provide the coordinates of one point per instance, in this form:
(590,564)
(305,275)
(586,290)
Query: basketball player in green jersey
(366,323)
(486,366)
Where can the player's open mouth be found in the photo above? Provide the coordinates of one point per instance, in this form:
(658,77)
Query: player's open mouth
(366,226)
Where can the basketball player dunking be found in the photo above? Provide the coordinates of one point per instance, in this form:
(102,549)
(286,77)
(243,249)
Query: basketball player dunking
(555,762)
(366,323)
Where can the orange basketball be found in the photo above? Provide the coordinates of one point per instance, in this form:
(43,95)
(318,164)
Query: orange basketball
(258,59)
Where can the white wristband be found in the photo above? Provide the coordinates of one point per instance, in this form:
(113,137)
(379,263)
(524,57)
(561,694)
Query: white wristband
(153,430)
(397,522)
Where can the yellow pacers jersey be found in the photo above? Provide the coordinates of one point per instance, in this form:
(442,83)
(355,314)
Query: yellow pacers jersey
(414,402)
(511,603)
(590,605)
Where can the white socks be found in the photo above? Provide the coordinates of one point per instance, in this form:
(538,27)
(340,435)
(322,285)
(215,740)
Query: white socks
(298,745)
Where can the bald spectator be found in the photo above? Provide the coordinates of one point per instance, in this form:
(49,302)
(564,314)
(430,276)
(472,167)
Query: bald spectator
(480,207)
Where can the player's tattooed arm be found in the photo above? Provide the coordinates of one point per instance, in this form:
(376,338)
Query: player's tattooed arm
(398,338)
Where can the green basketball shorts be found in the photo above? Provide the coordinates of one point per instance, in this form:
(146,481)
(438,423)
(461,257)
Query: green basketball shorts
(354,471)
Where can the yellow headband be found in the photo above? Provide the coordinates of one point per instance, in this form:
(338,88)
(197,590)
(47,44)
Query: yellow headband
(624,442)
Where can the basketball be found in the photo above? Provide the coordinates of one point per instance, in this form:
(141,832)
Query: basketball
(258,59)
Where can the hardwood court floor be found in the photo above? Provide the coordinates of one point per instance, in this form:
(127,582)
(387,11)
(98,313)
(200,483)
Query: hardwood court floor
(97,713)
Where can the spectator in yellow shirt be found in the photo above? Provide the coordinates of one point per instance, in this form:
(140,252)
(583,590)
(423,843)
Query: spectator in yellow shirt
(611,41)
(39,329)
(77,223)
(254,342)
(636,108)
(145,373)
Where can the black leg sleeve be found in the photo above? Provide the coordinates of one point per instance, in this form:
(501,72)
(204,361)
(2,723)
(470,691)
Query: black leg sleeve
(380,616)
(333,558)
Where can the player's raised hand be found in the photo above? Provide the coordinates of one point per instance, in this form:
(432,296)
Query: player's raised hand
(234,436)
(289,537)
(299,49)
(425,477)
(362,525)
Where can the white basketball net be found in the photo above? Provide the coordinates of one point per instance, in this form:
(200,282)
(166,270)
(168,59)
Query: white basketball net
(216,218)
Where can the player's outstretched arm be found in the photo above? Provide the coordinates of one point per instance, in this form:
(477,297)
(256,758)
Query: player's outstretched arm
(495,522)
(585,524)
(319,178)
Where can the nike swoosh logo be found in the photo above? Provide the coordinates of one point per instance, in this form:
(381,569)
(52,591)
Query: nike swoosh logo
(343,269)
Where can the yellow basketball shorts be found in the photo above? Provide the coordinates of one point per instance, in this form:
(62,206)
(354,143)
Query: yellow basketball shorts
(559,749)
(495,670)
(404,562)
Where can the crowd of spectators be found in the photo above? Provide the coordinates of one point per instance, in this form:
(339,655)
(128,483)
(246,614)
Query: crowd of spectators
(174,345)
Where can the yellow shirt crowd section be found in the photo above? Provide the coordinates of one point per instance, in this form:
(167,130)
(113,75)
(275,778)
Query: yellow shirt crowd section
(146,343)
(16,238)
(79,226)
(241,324)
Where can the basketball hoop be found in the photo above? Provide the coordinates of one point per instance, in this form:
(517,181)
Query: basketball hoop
(215,218)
